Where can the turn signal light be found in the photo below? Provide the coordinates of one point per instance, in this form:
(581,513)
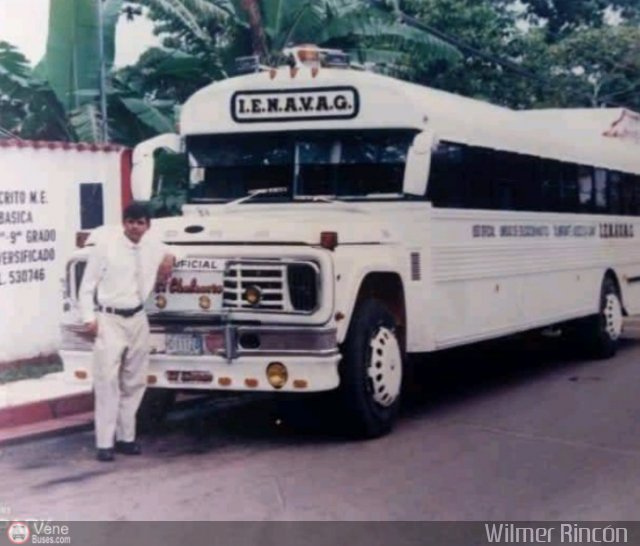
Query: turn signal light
(152,380)
(251,382)
(277,374)
(80,374)
(224,381)
(300,384)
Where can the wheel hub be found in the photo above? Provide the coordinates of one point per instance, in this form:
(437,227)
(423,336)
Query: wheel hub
(613,316)
(385,367)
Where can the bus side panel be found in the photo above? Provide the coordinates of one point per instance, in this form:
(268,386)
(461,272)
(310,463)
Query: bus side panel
(500,272)
(352,265)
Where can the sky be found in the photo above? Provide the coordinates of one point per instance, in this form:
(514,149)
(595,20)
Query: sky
(23,23)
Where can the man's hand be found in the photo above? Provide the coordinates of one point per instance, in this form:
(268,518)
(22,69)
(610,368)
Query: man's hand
(165,269)
(91,328)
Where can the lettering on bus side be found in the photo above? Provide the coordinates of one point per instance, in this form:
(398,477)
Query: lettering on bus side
(556,230)
(616,231)
(295,104)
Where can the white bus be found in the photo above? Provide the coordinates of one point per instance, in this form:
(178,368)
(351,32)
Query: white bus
(339,221)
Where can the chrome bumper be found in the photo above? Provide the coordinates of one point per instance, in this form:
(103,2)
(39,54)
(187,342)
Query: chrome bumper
(233,357)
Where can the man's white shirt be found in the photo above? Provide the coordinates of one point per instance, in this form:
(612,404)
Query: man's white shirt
(123,272)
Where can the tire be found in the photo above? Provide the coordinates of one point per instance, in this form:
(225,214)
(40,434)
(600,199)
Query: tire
(154,408)
(599,334)
(371,371)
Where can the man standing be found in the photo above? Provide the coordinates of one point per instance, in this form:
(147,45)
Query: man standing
(120,275)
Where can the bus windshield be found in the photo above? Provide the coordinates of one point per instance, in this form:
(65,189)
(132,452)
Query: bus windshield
(336,164)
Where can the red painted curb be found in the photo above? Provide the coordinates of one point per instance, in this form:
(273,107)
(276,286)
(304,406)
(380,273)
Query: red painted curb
(46,429)
(45,410)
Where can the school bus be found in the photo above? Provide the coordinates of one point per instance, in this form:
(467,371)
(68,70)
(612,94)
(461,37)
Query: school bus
(340,221)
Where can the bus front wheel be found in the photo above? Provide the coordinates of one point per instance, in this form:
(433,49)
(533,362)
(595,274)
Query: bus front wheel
(372,371)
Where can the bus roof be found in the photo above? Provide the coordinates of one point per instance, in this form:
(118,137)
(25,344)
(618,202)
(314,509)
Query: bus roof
(343,99)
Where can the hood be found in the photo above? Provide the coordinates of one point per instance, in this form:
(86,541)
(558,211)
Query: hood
(278,224)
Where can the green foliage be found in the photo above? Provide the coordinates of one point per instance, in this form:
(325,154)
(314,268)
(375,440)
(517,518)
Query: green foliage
(31,369)
(171,179)
(28,106)
(597,67)
(565,53)
(71,64)
(372,32)
(562,17)
(581,67)
(489,30)
(169,75)
(62,103)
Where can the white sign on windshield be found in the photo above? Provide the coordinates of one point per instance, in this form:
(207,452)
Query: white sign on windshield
(295,105)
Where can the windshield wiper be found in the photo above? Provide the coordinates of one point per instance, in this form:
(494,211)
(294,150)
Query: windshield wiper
(256,193)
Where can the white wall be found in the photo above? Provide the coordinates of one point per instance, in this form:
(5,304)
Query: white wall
(30,310)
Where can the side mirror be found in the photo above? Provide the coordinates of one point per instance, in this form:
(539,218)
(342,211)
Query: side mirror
(416,172)
(143,163)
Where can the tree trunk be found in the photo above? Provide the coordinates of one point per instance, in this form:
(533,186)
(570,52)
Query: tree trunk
(258,36)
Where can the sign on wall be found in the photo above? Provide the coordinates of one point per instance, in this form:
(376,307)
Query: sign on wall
(41,210)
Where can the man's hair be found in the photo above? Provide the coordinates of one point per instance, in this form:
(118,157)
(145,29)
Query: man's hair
(136,211)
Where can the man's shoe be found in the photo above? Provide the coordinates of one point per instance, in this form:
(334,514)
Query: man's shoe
(105,455)
(129,448)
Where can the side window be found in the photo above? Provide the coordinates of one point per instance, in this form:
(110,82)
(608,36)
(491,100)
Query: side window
(569,190)
(528,194)
(635,183)
(586,189)
(600,187)
(550,179)
(508,181)
(447,183)
(614,197)
(628,195)
(481,176)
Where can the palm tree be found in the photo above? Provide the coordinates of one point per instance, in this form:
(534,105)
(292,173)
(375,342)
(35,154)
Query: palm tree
(371,32)
(80,52)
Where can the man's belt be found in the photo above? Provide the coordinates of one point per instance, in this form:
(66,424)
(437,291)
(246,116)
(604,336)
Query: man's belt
(120,312)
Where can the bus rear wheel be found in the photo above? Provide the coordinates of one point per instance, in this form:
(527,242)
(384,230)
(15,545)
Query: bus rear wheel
(600,333)
(372,371)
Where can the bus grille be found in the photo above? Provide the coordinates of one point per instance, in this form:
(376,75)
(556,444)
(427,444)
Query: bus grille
(282,287)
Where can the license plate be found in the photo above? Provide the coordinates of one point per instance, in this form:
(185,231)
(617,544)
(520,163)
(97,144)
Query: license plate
(183,344)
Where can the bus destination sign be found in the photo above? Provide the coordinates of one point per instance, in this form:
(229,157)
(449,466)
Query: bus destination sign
(295,105)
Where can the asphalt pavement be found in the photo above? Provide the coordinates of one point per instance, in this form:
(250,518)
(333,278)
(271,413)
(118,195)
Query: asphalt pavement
(505,431)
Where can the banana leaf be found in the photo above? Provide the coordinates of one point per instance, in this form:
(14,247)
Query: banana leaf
(72,60)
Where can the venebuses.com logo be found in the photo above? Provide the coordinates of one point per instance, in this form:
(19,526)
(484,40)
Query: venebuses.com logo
(18,532)
(38,532)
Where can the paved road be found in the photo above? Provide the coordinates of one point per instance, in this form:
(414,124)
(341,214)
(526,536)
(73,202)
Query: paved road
(509,431)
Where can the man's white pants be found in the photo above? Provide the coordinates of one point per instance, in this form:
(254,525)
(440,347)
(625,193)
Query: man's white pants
(120,363)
